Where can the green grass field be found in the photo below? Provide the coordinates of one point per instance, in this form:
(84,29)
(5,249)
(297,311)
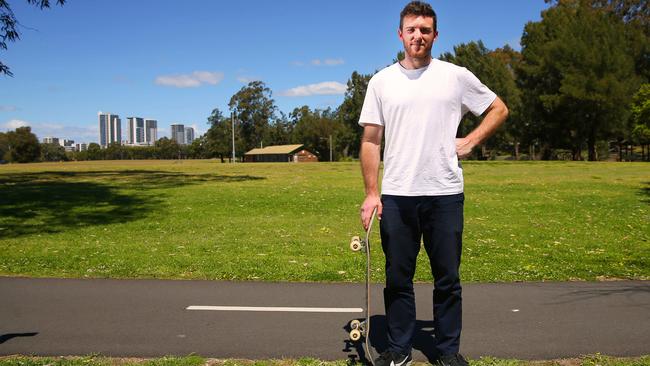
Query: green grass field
(525,221)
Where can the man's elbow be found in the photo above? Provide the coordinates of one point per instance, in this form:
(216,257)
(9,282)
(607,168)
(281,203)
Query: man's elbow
(502,110)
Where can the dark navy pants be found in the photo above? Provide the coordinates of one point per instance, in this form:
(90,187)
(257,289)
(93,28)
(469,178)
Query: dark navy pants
(438,222)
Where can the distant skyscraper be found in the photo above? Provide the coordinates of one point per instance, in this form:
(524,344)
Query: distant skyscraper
(178,133)
(150,131)
(110,129)
(136,131)
(51,140)
(189,135)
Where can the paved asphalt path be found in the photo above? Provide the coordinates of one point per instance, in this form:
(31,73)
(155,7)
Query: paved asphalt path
(148,318)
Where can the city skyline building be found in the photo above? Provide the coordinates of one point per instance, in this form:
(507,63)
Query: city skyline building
(110,129)
(177,133)
(135,131)
(189,135)
(51,140)
(151,131)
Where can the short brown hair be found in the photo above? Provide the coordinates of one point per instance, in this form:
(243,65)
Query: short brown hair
(418,8)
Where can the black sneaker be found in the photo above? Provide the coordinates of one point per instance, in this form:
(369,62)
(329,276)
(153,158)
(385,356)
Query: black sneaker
(388,358)
(452,360)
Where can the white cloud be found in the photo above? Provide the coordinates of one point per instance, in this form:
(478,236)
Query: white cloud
(247,79)
(41,130)
(14,124)
(316,62)
(193,80)
(8,108)
(333,61)
(297,63)
(324,88)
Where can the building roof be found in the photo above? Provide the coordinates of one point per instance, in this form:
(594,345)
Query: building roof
(278,149)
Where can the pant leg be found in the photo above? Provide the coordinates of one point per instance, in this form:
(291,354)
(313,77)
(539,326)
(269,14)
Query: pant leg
(400,240)
(441,219)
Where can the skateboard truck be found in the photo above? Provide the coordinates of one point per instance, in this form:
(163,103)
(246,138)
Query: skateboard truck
(358,329)
(357,244)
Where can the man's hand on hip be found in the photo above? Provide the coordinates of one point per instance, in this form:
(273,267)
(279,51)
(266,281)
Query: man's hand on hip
(464,147)
(369,204)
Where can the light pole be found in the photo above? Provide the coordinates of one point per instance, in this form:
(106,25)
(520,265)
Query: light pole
(232,122)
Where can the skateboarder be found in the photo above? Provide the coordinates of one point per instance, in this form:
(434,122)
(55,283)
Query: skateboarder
(417,104)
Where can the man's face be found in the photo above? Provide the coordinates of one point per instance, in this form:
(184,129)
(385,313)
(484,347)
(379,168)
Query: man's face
(417,35)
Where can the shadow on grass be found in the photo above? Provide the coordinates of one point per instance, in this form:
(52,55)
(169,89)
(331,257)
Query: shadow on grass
(51,202)
(644,192)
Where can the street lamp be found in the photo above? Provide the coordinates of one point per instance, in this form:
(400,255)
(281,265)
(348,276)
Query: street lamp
(232,120)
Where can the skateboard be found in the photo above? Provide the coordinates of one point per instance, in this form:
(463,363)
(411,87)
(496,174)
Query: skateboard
(362,327)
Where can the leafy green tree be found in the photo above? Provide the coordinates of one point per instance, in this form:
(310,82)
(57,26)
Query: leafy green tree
(4,147)
(495,70)
(53,152)
(349,112)
(94,152)
(198,149)
(281,130)
(640,120)
(8,23)
(254,109)
(168,149)
(22,145)
(218,139)
(578,75)
(314,128)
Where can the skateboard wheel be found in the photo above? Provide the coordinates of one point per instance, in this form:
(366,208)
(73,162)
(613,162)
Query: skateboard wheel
(355,244)
(355,324)
(355,335)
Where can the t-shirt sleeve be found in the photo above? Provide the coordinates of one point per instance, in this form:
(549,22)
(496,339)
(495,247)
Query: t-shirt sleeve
(476,97)
(371,110)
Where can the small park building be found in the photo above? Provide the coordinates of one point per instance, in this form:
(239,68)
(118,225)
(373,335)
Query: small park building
(279,154)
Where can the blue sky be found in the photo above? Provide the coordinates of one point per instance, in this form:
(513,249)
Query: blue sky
(175,61)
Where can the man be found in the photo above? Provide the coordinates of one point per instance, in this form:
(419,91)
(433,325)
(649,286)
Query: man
(418,104)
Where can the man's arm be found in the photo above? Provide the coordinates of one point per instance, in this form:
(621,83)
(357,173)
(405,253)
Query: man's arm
(370,158)
(496,114)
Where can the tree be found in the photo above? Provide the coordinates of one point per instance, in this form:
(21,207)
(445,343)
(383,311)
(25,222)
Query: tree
(219,136)
(281,130)
(640,119)
(8,30)
(22,145)
(4,148)
(254,110)
(94,151)
(168,149)
(577,75)
(53,152)
(314,128)
(349,112)
(495,70)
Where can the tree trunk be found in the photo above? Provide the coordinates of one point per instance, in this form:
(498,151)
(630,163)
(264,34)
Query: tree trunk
(620,152)
(576,154)
(591,145)
(516,150)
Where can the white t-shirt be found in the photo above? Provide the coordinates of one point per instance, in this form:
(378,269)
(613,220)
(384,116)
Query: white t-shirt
(420,110)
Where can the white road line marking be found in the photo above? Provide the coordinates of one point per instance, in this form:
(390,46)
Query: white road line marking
(275,309)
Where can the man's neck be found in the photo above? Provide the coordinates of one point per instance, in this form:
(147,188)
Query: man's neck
(410,63)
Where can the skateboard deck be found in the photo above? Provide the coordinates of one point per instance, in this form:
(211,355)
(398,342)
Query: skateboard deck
(362,328)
